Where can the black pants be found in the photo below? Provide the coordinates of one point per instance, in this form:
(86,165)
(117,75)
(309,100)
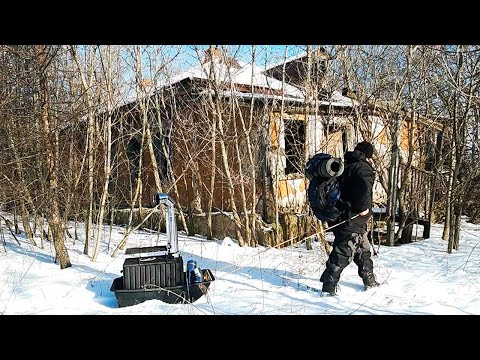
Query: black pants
(347,247)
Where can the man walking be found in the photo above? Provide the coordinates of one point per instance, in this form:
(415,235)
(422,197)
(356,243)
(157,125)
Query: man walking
(351,242)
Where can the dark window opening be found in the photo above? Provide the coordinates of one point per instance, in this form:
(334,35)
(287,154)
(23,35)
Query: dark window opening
(160,156)
(331,129)
(294,146)
(133,155)
(319,68)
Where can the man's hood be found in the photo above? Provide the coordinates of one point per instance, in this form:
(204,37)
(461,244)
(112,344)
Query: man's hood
(355,156)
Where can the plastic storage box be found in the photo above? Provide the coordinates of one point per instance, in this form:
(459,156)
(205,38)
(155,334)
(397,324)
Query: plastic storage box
(153,272)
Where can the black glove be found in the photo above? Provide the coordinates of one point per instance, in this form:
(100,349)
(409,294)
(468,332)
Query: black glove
(343,205)
(349,216)
(346,208)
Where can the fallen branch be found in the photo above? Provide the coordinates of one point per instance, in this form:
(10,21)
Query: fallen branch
(9,223)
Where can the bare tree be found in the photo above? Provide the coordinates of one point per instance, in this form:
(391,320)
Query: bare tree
(460,93)
(87,77)
(45,55)
(108,60)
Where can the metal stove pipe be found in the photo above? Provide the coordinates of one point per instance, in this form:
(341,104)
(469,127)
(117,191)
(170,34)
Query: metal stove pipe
(171,224)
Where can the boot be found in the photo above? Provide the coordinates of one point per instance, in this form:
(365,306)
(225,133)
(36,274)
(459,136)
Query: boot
(369,280)
(329,289)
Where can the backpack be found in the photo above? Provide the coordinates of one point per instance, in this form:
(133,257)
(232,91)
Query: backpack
(323,191)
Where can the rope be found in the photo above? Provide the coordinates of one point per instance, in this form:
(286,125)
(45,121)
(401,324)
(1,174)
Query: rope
(284,242)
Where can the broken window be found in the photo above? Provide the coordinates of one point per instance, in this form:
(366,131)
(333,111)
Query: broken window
(294,145)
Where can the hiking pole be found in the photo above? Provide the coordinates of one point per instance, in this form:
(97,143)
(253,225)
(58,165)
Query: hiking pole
(375,253)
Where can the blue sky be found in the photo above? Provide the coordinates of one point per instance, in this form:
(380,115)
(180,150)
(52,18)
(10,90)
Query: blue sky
(264,54)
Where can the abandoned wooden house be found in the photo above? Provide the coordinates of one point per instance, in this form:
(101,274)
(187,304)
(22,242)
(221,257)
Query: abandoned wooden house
(229,140)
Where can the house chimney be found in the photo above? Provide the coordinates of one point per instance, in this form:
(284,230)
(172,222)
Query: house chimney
(321,53)
(216,54)
(146,83)
(212,53)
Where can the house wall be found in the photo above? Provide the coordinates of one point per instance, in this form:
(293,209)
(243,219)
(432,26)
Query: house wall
(192,155)
(340,137)
(418,190)
(126,132)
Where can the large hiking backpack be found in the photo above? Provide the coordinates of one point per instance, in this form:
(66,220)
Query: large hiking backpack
(323,191)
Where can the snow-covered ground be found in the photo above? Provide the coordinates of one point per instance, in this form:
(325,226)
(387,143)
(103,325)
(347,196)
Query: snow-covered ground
(417,278)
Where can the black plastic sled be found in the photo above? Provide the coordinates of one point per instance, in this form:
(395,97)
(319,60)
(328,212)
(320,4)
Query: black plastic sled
(157,273)
(181,294)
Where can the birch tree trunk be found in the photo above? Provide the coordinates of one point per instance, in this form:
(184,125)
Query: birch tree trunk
(278,128)
(55,220)
(242,183)
(87,85)
(166,153)
(107,64)
(137,196)
(213,170)
(228,175)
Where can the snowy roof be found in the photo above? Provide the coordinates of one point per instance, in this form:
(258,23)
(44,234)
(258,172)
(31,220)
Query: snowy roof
(245,75)
(337,99)
(241,73)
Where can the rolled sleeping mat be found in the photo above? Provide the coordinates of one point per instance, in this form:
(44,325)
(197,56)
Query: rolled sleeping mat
(332,167)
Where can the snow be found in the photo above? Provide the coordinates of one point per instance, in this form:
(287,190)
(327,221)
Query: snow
(417,278)
(338,99)
(229,93)
(228,242)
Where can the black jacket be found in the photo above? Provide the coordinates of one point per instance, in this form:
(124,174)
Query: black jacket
(356,184)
